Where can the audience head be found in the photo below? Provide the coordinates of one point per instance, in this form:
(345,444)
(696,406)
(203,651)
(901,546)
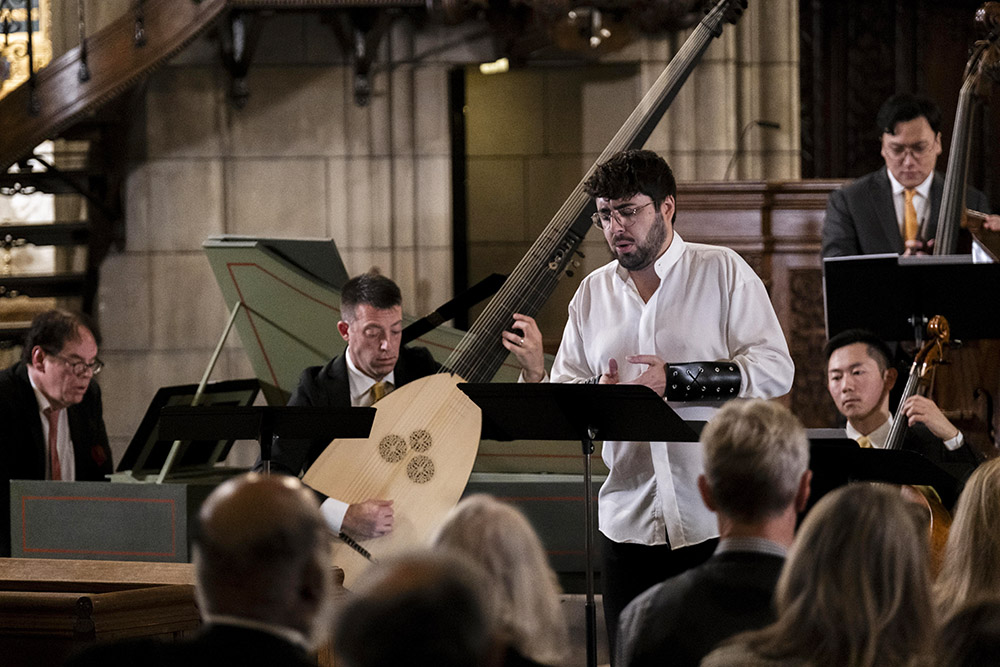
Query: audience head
(859,377)
(756,461)
(521,591)
(262,552)
(972,555)
(855,588)
(372,323)
(911,137)
(60,352)
(971,637)
(419,609)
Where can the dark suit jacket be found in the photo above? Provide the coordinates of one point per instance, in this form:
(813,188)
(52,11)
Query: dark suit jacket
(681,620)
(329,386)
(215,645)
(23,450)
(861,217)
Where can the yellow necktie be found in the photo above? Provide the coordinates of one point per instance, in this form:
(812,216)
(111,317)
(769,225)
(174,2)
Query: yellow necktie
(910,226)
(380,389)
(864,442)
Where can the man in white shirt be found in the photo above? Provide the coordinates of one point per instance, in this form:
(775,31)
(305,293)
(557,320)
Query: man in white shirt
(886,210)
(373,364)
(694,323)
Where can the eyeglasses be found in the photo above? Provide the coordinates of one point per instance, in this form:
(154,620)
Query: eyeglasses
(626,215)
(918,150)
(80,368)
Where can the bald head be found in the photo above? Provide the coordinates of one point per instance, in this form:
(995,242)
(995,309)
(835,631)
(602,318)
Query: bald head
(262,551)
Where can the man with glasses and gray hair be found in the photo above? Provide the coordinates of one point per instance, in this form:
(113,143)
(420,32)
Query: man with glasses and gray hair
(51,417)
(895,209)
(694,323)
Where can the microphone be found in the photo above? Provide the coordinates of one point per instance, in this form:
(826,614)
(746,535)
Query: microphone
(768,124)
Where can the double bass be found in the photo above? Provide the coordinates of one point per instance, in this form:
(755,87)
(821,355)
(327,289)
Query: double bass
(969,393)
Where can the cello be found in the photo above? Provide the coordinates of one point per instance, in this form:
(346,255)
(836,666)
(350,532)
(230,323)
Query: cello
(919,381)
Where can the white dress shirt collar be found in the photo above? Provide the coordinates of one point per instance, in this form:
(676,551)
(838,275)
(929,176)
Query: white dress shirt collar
(361,384)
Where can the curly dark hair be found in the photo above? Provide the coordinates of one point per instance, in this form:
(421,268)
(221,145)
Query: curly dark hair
(52,329)
(632,172)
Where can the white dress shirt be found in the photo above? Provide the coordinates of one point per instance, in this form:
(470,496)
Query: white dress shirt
(709,306)
(879,436)
(334,510)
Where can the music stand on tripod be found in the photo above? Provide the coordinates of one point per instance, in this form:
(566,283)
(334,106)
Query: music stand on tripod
(583,412)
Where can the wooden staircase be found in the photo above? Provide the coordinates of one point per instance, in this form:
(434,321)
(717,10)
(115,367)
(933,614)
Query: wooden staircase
(82,101)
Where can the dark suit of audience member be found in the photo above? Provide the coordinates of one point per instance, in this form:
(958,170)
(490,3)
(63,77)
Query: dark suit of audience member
(263,583)
(756,481)
(327,386)
(861,218)
(214,646)
(24,449)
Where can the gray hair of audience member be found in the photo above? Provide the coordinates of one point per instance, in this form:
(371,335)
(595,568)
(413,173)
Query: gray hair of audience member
(523,592)
(855,589)
(971,637)
(262,552)
(416,609)
(755,453)
(370,288)
(972,554)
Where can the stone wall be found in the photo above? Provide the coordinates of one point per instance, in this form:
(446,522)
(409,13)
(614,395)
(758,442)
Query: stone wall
(301,160)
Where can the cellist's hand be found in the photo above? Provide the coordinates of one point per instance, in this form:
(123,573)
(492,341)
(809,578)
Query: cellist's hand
(992,222)
(922,410)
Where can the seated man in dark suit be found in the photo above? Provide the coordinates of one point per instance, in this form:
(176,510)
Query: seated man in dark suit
(372,365)
(263,582)
(882,212)
(756,480)
(859,378)
(51,418)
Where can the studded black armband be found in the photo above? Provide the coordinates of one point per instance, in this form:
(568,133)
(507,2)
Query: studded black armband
(702,381)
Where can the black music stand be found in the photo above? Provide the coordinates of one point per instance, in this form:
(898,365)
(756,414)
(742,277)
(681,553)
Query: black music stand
(262,423)
(584,412)
(837,460)
(895,296)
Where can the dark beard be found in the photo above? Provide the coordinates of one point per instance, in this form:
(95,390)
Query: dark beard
(646,252)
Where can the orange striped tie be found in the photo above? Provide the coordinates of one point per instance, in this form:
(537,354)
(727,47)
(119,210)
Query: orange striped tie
(910,226)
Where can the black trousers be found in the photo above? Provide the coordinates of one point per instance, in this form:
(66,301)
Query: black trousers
(630,569)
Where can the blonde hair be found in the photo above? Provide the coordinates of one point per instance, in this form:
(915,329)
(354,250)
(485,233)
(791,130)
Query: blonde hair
(522,592)
(855,590)
(756,452)
(971,566)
